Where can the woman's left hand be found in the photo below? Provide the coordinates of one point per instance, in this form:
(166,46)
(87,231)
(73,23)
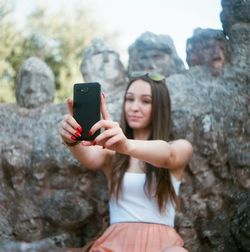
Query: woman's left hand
(112,137)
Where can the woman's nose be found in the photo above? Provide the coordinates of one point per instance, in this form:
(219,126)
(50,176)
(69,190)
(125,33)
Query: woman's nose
(135,105)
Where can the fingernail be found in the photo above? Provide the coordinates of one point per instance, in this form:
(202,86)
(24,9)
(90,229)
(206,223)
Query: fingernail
(73,138)
(90,133)
(78,134)
(79,129)
(94,143)
(84,143)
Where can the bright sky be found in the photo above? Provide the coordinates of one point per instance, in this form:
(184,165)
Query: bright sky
(130,18)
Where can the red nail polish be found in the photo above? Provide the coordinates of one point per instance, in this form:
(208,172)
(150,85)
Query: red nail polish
(79,129)
(94,143)
(90,133)
(78,134)
(73,138)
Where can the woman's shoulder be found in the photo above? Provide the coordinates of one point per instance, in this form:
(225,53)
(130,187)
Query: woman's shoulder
(182,142)
(182,151)
(182,146)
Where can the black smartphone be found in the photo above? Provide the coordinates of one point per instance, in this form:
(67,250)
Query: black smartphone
(87,107)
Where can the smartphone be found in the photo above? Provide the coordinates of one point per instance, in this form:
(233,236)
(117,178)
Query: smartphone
(87,107)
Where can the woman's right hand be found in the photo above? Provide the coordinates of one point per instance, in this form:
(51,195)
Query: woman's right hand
(69,129)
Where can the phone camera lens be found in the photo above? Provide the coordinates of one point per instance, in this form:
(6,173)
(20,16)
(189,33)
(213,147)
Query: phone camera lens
(85,89)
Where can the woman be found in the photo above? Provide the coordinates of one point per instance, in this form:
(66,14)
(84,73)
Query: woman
(142,167)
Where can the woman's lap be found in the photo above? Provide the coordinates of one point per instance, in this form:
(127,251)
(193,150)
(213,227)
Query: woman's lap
(139,237)
(174,249)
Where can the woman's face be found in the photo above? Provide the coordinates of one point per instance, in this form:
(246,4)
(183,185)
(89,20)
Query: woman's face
(138,105)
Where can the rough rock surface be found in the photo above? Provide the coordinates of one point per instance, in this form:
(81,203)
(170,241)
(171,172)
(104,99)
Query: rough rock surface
(152,52)
(48,201)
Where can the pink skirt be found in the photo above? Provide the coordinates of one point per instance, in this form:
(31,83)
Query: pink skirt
(139,237)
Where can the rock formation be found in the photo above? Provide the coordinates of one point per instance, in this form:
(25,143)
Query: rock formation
(212,111)
(35,84)
(48,201)
(208,47)
(102,64)
(45,194)
(151,52)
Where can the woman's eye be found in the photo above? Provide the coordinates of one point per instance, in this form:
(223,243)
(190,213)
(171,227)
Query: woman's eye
(146,101)
(129,99)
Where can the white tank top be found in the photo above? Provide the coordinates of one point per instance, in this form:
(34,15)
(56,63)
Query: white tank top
(135,206)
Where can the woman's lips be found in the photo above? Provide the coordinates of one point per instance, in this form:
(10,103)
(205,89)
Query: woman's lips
(134,118)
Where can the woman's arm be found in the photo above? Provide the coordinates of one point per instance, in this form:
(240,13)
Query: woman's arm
(174,155)
(92,157)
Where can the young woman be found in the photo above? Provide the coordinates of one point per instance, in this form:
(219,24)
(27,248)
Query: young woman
(143,168)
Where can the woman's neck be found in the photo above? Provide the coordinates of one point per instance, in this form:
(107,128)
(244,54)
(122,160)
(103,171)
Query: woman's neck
(142,134)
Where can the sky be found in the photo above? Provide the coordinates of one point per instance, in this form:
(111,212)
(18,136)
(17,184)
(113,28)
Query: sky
(130,18)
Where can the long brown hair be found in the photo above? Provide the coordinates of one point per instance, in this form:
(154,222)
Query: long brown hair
(160,129)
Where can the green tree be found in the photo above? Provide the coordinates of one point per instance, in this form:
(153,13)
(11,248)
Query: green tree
(58,38)
(9,41)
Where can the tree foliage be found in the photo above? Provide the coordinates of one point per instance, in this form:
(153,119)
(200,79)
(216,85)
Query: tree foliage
(58,38)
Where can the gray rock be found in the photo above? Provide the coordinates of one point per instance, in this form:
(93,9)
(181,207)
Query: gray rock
(35,84)
(151,52)
(40,246)
(102,64)
(212,112)
(208,47)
